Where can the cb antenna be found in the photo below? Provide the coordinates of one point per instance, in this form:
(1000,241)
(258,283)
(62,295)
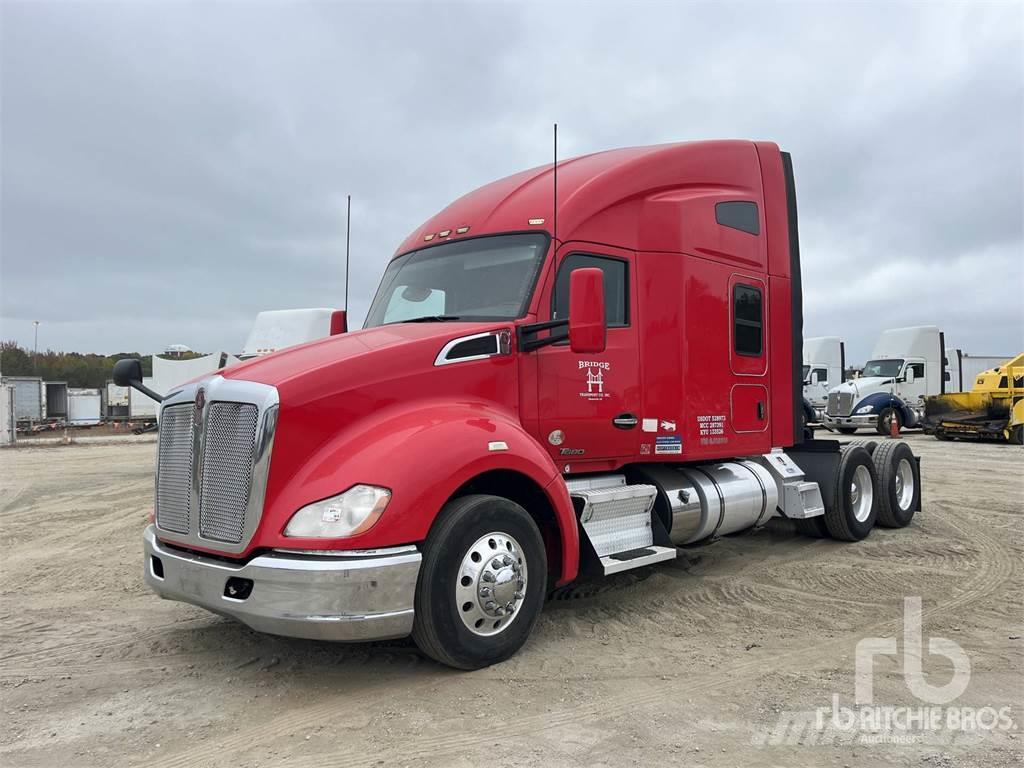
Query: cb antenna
(348,237)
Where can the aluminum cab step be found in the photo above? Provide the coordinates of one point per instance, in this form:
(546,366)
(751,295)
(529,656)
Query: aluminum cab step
(616,519)
(635,558)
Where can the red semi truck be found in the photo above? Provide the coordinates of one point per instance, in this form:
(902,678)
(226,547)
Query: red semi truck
(529,402)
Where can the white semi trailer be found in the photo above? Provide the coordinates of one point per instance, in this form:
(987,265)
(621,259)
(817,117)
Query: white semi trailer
(906,365)
(824,365)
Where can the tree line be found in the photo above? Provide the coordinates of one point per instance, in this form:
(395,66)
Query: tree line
(77,369)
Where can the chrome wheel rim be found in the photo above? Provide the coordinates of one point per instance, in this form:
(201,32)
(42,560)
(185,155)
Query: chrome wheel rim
(904,484)
(491,584)
(861,494)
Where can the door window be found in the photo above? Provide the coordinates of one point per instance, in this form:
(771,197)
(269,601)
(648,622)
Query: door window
(616,306)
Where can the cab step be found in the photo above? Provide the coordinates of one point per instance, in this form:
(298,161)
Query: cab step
(635,558)
(616,519)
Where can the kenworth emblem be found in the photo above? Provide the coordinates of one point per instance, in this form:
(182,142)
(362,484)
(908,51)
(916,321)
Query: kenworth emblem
(197,415)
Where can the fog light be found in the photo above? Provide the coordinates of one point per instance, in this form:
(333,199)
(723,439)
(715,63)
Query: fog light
(238,589)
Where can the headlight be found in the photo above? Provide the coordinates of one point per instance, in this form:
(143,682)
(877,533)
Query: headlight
(348,513)
(865,409)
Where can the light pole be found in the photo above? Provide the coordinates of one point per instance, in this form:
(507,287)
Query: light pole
(35,350)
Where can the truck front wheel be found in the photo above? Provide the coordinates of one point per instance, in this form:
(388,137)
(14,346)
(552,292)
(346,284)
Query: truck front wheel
(884,424)
(481,584)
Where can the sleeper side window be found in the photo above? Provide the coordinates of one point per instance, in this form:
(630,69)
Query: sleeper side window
(748,323)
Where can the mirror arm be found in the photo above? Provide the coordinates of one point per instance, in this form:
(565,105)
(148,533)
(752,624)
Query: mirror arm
(527,334)
(146,391)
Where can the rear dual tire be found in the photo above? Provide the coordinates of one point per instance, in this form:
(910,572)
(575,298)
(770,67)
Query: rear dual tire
(855,510)
(899,484)
(876,484)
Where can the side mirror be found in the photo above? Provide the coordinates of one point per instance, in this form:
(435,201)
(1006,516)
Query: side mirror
(128,373)
(587,330)
(909,376)
(814,377)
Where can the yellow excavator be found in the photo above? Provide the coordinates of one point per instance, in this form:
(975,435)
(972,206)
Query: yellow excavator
(994,408)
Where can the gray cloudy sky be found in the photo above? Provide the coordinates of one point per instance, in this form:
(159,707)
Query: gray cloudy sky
(170,169)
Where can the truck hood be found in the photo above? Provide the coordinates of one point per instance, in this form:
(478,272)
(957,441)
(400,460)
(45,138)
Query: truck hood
(383,342)
(865,386)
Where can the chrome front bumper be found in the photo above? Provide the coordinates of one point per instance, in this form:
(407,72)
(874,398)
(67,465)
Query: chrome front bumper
(859,422)
(349,597)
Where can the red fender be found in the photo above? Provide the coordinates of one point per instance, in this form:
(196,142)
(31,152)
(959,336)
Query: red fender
(423,452)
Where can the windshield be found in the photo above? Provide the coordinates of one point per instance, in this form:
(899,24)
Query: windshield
(807,372)
(887,368)
(486,278)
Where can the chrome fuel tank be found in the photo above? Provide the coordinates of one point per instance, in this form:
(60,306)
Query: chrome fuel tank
(708,500)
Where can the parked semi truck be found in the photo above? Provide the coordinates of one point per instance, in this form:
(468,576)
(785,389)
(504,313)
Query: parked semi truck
(906,365)
(824,368)
(529,402)
(279,328)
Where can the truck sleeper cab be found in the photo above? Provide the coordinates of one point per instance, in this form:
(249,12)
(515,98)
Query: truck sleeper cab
(824,368)
(522,408)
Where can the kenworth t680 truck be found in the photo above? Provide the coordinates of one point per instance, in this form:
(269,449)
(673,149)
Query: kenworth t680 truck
(552,382)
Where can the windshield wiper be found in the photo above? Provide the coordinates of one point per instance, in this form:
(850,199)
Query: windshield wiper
(428,319)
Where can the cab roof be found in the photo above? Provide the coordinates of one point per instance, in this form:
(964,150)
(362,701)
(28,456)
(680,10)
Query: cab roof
(626,190)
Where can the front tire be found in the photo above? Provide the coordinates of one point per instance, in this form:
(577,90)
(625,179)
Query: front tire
(884,424)
(852,515)
(481,584)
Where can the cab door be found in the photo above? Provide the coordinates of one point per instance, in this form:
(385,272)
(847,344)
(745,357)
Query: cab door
(912,392)
(589,404)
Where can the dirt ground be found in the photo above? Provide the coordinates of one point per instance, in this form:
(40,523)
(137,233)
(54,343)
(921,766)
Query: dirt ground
(708,660)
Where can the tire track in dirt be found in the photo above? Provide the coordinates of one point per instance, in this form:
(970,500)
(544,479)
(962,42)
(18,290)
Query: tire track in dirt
(995,567)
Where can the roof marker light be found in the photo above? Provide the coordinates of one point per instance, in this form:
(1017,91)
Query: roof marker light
(428,238)
(444,233)
(535,222)
(461,230)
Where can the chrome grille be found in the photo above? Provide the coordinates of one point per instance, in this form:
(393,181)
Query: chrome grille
(839,403)
(174,469)
(228,452)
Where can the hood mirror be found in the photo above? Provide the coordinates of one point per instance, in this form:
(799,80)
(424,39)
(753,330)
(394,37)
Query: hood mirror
(416,294)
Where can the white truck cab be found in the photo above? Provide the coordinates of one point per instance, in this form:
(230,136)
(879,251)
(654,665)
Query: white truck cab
(824,365)
(279,328)
(906,365)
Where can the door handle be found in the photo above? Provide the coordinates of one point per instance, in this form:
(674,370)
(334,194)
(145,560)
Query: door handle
(625,421)
(760,411)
